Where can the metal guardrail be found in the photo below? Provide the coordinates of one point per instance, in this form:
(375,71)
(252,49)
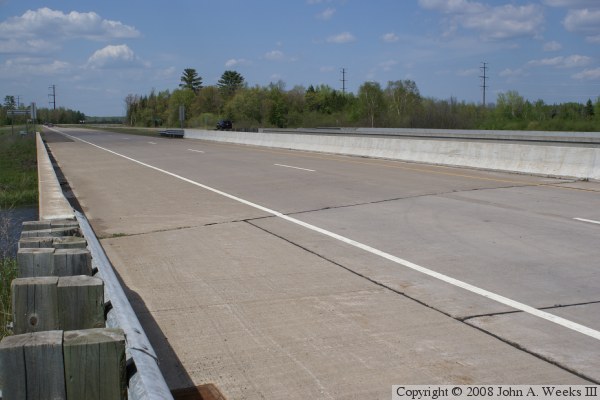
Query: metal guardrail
(172,132)
(147,382)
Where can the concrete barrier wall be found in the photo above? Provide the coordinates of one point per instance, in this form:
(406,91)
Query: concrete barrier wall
(52,202)
(551,159)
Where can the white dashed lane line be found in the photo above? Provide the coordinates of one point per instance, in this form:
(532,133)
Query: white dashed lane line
(196,151)
(289,166)
(589,221)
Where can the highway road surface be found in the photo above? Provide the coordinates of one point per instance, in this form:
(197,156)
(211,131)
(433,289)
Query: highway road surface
(278,274)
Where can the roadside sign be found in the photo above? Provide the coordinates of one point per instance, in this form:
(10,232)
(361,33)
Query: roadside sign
(17,112)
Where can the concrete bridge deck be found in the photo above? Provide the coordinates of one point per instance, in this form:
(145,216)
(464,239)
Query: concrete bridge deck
(215,243)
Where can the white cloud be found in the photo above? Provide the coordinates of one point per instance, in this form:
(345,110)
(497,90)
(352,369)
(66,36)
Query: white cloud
(390,37)
(571,3)
(27,66)
(582,20)
(388,65)
(469,72)
(453,6)
(572,61)
(47,22)
(593,39)
(234,62)
(588,74)
(344,37)
(38,30)
(512,73)
(326,14)
(274,55)
(507,21)
(119,56)
(499,22)
(552,46)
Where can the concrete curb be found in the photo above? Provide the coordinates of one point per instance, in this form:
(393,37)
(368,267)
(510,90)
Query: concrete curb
(52,202)
(558,160)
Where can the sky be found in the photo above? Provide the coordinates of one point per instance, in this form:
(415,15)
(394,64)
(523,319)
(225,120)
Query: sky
(95,53)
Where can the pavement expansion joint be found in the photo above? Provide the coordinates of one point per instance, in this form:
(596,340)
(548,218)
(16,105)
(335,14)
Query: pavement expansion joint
(463,320)
(556,306)
(534,354)
(178,228)
(405,198)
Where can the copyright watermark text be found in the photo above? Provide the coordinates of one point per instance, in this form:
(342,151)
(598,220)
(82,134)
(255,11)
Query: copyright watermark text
(537,392)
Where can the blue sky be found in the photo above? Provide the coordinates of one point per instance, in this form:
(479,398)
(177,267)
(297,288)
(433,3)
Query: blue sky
(97,52)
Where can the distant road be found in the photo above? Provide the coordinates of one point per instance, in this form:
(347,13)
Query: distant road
(283,274)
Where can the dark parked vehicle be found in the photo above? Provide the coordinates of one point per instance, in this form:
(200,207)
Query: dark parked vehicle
(224,125)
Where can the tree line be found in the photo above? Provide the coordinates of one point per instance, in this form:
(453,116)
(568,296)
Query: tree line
(397,105)
(60,115)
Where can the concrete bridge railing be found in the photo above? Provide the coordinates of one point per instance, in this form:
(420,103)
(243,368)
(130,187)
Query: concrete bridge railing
(556,154)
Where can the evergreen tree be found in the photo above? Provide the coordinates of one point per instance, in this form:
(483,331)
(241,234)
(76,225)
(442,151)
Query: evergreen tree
(191,80)
(230,82)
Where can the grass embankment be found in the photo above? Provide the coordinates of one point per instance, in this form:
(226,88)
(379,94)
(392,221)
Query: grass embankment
(18,187)
(18,169)
(8,272)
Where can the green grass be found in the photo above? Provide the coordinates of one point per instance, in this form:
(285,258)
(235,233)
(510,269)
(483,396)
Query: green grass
(18,169)
(8,272)
(18,187)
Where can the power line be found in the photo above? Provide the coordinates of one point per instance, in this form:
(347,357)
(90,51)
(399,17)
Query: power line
(52,95)
(484,78)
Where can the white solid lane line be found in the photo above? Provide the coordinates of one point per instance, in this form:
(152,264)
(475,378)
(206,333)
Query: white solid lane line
(197,151)
(151,143)
(574,326)
(289,166)
(591,221)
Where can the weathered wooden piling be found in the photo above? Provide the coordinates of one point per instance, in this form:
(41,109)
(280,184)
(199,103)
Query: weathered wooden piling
(95,364)
(32,366)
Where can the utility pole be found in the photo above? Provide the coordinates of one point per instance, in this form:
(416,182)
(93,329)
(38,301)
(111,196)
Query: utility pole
(18,101)
(484,78)
(52,96)
(343,81)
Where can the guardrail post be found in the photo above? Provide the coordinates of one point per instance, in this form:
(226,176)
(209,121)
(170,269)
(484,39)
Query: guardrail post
(95,364)
(32,366)
(69,262)
(80,302)
(35,304)
(62,242)
(35,262)
(53,262)
(49,303)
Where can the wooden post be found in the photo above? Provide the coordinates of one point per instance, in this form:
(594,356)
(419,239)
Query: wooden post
(58,231)
(80,302)
(35,304)
(36,242)
(48,224)
(69,262)
(35,225)
(48,303)
(35,262)
(62,242)
(32,366)
(69,242)
(95,364)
